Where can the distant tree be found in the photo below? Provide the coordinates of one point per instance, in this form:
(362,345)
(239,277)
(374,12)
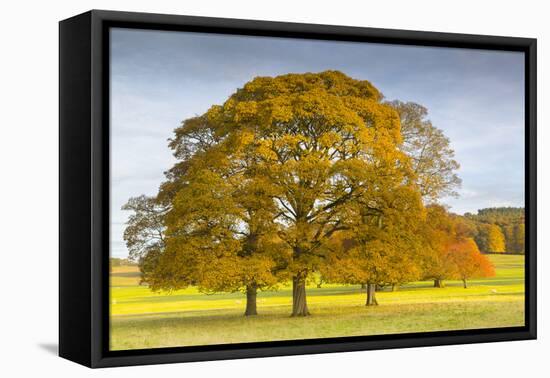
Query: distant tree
(514,234)
(115,261)
(430,150)
(468,261)
(499,215)
(490,238)
(508,231)
(519,238)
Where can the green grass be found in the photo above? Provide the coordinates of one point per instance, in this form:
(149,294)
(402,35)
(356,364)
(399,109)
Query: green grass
(142,319)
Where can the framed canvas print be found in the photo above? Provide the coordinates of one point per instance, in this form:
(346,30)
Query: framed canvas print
(234,188)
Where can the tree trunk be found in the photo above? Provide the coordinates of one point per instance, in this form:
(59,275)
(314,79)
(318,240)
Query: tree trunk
(363,286)
(299,302)
(251,310)
(394,287)
(371,295)
(439,283)
(464,282)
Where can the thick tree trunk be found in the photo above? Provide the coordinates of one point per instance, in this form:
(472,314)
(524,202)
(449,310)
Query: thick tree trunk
(371,295)
(299,302)
(464,282)
(439,283)
(251,309)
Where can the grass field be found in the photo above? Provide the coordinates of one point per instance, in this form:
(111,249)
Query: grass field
(142,319)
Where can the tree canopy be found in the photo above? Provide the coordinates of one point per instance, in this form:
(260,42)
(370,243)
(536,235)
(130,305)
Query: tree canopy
(430,151)
(324,142)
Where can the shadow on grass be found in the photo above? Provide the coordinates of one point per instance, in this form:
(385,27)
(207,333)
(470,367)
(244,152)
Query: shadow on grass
(285,293)
(126,274)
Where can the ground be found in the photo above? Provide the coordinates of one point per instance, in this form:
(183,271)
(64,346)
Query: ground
(143,319)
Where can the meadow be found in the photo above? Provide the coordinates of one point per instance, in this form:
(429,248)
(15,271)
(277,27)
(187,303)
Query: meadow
(141,318)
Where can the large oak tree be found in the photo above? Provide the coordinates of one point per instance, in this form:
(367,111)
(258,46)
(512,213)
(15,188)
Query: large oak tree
(321,141)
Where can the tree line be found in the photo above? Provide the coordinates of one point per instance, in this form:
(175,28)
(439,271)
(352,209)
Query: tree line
(116,262)
(499,229)
(302,176)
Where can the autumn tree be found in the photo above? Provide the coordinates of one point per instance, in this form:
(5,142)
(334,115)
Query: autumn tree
(430,151)
(382,258)
(495,239)
(381,246)
(319,140)
(438,233)
(452,252)
(468,261)
(217,227)
(221,223)
(214,243)
(490,238)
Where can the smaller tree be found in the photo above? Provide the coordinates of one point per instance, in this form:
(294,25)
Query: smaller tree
(490,238)
(468,261)
(220,235)
(438,233)
(144,233)
(514,235)
(381,246)
(145,226)
(509,239)
(430,150)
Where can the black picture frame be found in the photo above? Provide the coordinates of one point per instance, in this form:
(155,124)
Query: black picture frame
(84,187)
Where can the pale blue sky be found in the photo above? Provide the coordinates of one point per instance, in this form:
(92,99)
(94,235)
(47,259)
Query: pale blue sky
(160,78)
